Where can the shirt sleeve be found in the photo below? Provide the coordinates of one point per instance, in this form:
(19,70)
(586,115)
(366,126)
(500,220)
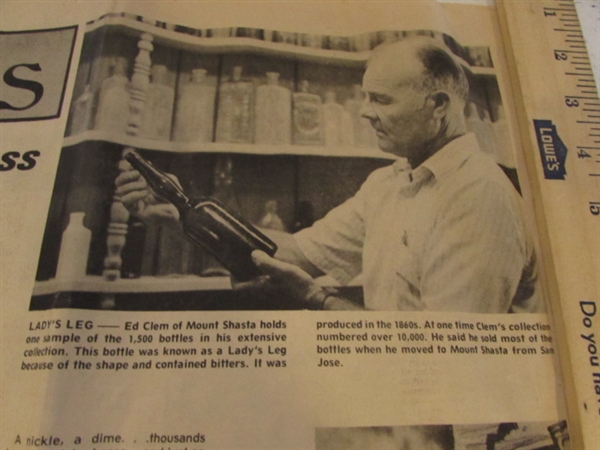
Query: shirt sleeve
(477,251)
(334,243)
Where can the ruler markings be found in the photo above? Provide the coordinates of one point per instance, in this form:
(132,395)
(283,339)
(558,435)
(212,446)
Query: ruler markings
(580,97)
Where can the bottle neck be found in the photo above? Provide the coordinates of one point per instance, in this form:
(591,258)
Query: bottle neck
(159,181)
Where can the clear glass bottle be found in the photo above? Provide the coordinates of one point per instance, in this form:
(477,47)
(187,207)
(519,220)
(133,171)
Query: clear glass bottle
(113,101)
(364,134)
(483,131)
(158,111)
(81,112)
(209,223)
(194,118)
(307,117)
(502,144)
(270,218)
(273,112)
(74,249)
(235,116)
(337,123)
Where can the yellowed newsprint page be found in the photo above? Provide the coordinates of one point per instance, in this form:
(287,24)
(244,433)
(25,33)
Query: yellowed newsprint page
(268,225)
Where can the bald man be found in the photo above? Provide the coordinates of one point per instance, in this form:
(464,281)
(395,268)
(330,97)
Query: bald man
(442,232)
(441,229)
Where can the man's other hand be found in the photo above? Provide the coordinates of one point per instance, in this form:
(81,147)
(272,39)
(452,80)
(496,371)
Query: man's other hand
(142,202)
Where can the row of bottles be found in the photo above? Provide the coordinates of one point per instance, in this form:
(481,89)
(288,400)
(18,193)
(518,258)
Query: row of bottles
(245,113)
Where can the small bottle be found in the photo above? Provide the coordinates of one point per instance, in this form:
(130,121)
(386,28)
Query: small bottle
(235,121)
(74,249)
(337,123)
(270,219)
(194,118)
(364,134)
(483,131)
(307,117)
(113,101)
(224,192)
(273,112)
(222,232)
(81,112)
(502,144)
(158,111)
(362,42)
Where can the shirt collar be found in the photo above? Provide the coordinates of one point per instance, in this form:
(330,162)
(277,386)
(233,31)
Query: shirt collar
(447,160)
(450,157)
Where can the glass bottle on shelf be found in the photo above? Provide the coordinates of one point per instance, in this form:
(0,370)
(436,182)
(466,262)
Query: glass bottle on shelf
(209,223)
(362,42)
(81,112)
(338,43)
(483,131)
(503,146)
(194,118)
(337,123)
(273,112)
(74,249)
(158,111)
(113,102)
(307,117)
(223,190)
(312,40)
(133,250)
(235,117)
(270,218)
(364,134)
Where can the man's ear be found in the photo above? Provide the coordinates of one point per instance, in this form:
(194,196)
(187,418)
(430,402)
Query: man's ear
(441,103)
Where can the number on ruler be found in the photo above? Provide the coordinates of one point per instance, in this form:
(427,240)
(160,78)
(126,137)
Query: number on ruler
(595,208)
(560,56)
(571,102)
(549,12)
(583,154)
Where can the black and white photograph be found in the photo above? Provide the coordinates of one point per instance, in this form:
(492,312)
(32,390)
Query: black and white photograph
(502,436)
(252,169)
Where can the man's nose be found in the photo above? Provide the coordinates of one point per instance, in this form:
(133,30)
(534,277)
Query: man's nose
(367,111)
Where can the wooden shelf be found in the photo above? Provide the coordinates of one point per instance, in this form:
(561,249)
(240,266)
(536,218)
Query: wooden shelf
(145,284)
(223,147)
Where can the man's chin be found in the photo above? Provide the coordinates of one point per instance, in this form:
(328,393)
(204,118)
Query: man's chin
(386,147)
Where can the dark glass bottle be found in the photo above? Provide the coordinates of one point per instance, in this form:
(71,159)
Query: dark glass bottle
(209,223)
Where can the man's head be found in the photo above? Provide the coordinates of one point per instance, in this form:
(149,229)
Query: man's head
(415,97)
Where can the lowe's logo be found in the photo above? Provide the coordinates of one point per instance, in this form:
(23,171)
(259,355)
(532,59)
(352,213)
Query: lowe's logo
(552,150)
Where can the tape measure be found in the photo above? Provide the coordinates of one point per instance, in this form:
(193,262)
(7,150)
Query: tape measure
(558,111)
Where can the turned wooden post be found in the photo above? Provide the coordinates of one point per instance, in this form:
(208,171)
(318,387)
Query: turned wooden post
(119,216)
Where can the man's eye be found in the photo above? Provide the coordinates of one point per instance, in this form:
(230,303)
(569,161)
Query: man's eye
(379,100)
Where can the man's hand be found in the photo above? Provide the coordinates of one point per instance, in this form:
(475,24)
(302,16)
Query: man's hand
(140,200)
(293,285)
(286,281)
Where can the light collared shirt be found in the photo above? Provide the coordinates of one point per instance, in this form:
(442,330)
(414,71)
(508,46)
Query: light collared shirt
(447,236)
